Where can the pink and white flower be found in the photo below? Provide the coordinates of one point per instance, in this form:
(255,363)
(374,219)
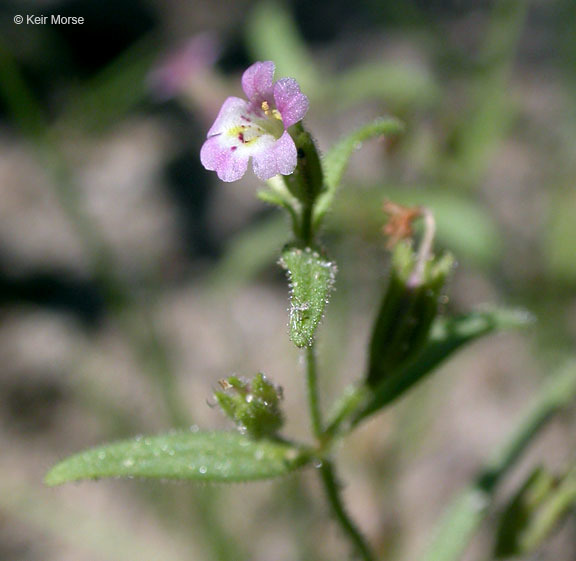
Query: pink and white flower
(256,128)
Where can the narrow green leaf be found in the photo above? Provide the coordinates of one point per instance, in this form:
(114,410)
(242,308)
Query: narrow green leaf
(311,279)
(272,198)
(199,456)
(520,511)
(558,506)
(535,511)
(448,335)
(336,159)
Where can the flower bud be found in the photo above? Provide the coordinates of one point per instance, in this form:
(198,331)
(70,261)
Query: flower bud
(407,312)
(254,405)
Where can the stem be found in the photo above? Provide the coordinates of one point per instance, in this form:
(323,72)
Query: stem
(313,179)
(332,489)
(344,409)
(327,475)
(306,226)
(313,396)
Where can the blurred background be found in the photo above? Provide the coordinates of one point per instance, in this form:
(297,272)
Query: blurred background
(132,280)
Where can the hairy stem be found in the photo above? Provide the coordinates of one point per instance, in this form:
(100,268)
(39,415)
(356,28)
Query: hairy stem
(307,232)
(352,533)
(327,475)
(313,396)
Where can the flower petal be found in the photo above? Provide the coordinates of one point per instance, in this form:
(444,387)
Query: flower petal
(280,157)
(228,163)
(257,81)
(231,115)
(291,103)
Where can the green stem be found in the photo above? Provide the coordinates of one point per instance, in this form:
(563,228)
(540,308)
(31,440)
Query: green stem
(307,232)
(340,422)
(313,396)
(327,475)
(332,490)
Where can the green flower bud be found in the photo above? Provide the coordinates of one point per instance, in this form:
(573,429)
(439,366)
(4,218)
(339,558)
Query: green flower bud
(408,309)
(254,405)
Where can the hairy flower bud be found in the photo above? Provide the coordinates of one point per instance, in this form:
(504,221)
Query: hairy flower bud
(253,405)
(408,309)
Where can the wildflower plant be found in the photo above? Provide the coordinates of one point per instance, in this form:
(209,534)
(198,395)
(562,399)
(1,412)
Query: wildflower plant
(409,338)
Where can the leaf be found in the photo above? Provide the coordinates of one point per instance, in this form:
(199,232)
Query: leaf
(272,198)
(311,279)
(519,511)
(336,160)
(448,335)
(199,456)
(558,506)
(535,511)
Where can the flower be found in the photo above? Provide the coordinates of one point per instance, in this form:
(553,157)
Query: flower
(256,128)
